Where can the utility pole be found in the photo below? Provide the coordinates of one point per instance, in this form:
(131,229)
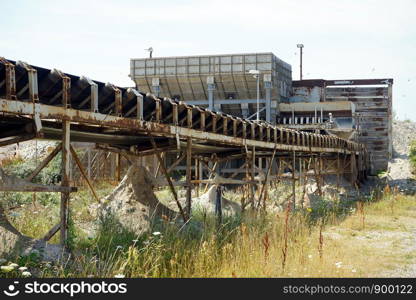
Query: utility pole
(301,54)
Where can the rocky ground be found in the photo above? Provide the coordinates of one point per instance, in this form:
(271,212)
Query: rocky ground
(27,150)
(399,172)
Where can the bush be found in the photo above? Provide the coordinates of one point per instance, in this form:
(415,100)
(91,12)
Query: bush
(20,168)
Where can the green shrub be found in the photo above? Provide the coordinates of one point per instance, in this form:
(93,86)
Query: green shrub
(20,168)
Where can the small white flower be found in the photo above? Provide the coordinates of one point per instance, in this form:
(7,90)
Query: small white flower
(119,247)
(353,270)
(6,269)
(119,276)
(156,233)
(22,269)
(338,264)
(13,265)
(135,241)
(26,274)
(310,256)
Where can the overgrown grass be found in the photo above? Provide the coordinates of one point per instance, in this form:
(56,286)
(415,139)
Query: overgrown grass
(328,241)
(332,239)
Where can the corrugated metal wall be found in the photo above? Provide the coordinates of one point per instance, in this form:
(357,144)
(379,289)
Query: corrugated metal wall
(374,117)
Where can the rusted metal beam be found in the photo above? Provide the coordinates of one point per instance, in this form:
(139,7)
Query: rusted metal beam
(188,177)
(45,162)
(177,162)
(33,187)
(64,212)
(84,174)
(17,139)
(261,196)
(13,184)
(167,130)
(118,167)
(10,79)
(172,188)
(136,153)
(211,174)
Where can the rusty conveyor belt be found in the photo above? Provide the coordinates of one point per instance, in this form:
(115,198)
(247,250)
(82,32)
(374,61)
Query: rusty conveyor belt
(29,93)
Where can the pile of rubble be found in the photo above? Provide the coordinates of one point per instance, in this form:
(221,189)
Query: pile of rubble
(133,204)
(399,171)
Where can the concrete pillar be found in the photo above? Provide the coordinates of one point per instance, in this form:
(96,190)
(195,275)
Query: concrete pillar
(270,115)
(156,86)
(244,110)
(211,89)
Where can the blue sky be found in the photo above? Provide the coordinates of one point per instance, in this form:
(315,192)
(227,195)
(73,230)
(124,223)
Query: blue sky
(343,39)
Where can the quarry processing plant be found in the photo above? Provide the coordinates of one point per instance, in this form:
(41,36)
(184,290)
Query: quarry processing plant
(352,109)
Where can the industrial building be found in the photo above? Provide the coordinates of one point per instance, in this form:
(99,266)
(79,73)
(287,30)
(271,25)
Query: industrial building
(235,84)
